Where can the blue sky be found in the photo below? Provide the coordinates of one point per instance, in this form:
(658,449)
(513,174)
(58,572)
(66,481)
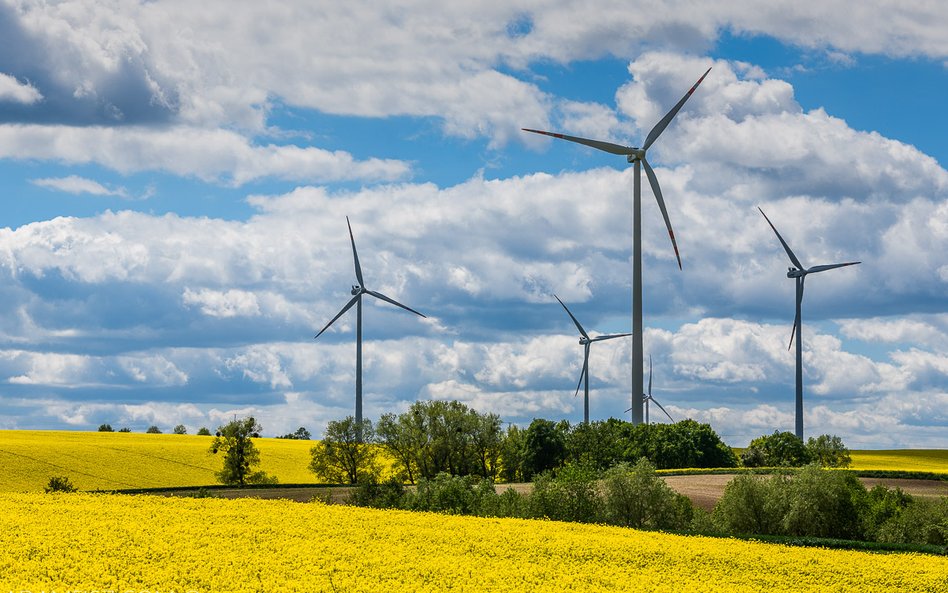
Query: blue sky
(175,187)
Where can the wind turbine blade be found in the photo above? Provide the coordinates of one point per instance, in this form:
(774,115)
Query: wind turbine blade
(582,332)
(650,377)
(663,409)
(585,369)
(653,181)
(597,144)
(608,337)
(796,317)
(355,255)
(663,123)
(379,295)
(348,306)
(793,258)
(815,269)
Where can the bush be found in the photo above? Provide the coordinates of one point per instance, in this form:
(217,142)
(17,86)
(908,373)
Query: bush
(921,522)
(59,484)
(780,449)
(752,504)
(882,504)
(204,432)
(544,448)
(385,495)
(153,430)
(454,495)
(829,451)
(682,444)
(125,429)
(105,428)
(180,429)
(634,496)
(571,495)
(824,503)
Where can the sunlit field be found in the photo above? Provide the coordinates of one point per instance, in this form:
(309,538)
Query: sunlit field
(922,460)
(114,460)
(89,542)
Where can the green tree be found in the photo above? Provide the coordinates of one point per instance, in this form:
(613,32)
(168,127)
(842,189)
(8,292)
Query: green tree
(125,429)
(752,505)
(105,428)
(780,449)
(571,494)
(342,457)
(180,429)
(204,432)
(829,451)
(300,434)
(153,430)
(235,441)
(511,454)
(544,447)
(824,503)
(59,484)
(635,496)
(601,443)
(486,443)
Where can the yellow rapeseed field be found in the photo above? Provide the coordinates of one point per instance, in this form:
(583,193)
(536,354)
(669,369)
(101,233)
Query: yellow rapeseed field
(85,542)
(114,460)
(922,460)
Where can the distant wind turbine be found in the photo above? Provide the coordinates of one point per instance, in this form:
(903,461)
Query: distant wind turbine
(357,291)
(636,156)
(799,272)
(647,397)
(585,340)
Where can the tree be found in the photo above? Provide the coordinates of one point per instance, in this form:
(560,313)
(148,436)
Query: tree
(241,456)
(204,432)
(180,429)
(59,484)
(125,429)
(153,430)
(780,449)
(682,444)
(544,447)
(301,434)
(486,441)
(511,454)
(752,505)
(635,496)
(601,443)
(825,504)
(105,428)
(829,451)
(342,457)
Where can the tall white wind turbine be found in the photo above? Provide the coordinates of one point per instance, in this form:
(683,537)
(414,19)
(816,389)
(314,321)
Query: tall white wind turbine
(636,156)
(798,272)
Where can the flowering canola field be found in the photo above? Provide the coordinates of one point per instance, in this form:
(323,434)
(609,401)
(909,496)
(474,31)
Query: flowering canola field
(922,460)
(84,542)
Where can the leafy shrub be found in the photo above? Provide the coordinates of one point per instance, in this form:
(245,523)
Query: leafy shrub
(59,484)
(125,429)
(105,428)
(780,449)
(455,495)
(369,492)
(204,432)
(824,503)
(180,429)
(921,522)
(882,504)
(635,496)
(752,504)
(829,451)
(153,430)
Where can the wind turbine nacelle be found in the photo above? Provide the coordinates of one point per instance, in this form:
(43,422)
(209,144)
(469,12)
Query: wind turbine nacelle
(795,273)
(637,155)
(583,341)
(356,289)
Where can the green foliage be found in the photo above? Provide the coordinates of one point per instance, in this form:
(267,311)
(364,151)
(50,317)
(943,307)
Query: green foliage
(570,495)
(882,504)
(345,454)
(825,504)
(180,429)
(752,504)
(125,429)
(371,493)
(153,430)
(241,456)
(454,495)
(59,484)
(544,447)
(635,496)
(436,436)
(204,432)
(300,434)
(511,454)
(105,428)
(599,444)
(829,451)
(921,522)
(780,449)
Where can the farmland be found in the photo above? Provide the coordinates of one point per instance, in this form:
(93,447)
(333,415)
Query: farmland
(87,541)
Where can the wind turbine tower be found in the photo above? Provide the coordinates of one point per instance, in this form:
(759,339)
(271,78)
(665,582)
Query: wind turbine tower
(636,157)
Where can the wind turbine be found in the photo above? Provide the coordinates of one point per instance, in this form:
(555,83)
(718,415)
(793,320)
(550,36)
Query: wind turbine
(586,341)
(798,273)
(647,397)
(636,156)
(357,291)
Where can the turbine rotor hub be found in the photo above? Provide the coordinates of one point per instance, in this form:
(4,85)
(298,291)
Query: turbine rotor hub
(637,154)
(356,289)
(795,273)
